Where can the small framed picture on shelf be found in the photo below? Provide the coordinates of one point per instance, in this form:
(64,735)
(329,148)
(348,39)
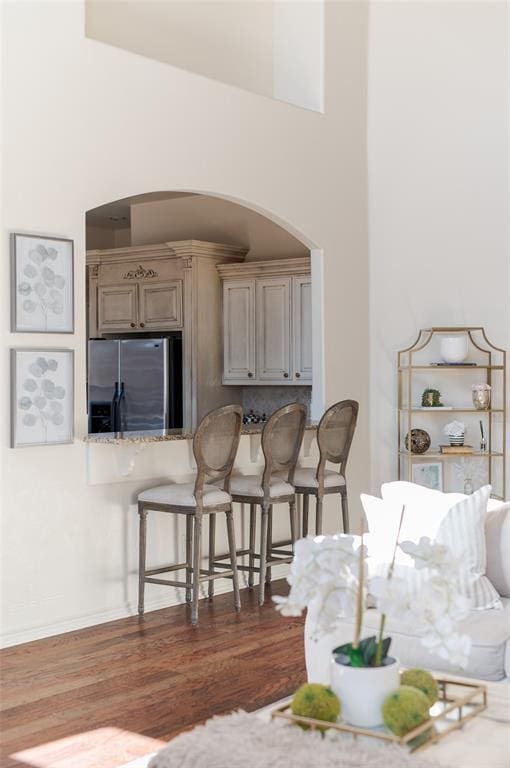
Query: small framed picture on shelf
(429,474)
(42,284)
(42,396)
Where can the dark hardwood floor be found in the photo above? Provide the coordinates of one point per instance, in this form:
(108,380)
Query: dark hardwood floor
(102,696)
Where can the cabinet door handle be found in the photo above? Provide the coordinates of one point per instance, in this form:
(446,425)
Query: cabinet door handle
(298,375)
(285,375)
(142,325)
(250,375)
(132,325)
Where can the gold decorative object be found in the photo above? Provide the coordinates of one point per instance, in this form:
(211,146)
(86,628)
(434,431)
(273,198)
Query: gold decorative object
(458,702)
(424,358)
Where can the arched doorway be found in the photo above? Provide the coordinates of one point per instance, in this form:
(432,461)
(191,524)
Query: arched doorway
(192,236)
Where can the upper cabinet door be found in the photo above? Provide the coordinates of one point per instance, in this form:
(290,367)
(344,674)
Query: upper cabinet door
(117,308)
(238,330)
(273,329)
(161,305)
(302,327)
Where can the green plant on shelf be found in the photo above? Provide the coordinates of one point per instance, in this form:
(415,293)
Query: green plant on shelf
(431,398)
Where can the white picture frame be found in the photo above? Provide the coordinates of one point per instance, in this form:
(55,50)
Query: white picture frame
(42,396)
(429,475)
(42,284)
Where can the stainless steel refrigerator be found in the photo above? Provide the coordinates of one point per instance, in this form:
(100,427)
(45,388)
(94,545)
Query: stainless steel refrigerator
(134,384)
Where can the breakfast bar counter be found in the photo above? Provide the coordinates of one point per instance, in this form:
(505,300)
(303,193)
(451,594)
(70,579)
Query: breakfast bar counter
(162,435)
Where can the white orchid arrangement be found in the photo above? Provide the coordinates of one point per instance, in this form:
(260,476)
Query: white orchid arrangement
(330,572)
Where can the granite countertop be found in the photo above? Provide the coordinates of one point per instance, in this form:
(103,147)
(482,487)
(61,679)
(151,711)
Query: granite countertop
(162,435)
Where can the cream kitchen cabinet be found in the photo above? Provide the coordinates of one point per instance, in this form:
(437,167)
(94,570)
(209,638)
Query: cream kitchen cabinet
(267,322)
(160,305)
(302,328)
(239,331)
(273,329)
(117,308)
(140,306)
(176,285)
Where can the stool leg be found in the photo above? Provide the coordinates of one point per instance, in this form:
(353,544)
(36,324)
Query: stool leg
(318,521)
(269,542)
(189,556)
(263,551)
(251,561)
(197,531)
(345,510)
(292,517)
(293,522)
(212,534)
(306,498)
(233,559)
(142,545)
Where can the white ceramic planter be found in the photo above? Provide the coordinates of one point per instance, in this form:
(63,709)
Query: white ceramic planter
(363,690)
(454,349)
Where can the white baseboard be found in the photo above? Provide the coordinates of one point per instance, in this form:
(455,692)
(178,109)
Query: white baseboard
(168,598)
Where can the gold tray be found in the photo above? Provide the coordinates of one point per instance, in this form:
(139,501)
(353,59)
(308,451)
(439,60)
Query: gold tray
(451,711)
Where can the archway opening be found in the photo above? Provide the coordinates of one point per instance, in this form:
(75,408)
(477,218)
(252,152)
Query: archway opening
(194,301)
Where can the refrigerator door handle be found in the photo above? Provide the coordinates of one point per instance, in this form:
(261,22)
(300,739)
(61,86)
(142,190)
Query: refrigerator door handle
(120,402)
(115,403)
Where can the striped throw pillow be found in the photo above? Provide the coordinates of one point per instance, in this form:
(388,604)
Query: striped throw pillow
(452,519)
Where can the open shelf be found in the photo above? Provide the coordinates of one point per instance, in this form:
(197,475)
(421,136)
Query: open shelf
(451,410)
(437,367)
(438,455)
(418,364)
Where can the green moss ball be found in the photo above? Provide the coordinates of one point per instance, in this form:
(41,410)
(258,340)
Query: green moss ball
(405,709)
(423,680)
(317,701)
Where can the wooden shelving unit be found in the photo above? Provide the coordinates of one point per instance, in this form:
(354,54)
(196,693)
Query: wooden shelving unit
(417,367)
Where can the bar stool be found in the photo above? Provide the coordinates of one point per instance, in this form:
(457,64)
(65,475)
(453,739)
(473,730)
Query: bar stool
(281,440)
(214,446)
(334,438)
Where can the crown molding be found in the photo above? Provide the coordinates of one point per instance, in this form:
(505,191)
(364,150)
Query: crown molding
(172,250)
(273,267)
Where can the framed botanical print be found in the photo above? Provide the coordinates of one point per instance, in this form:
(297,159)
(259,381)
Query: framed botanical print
(42,397)
(429,474)
(42,284)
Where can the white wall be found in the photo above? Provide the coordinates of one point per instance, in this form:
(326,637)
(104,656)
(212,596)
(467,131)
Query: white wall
(271,47)
(208,218)
(228,41)
(298,52)
(438,180)
(87,123)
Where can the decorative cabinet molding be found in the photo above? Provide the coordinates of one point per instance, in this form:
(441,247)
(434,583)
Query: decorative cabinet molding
(267,322)
(140,273)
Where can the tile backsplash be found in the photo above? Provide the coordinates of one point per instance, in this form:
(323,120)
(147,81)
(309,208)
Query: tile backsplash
(267,399)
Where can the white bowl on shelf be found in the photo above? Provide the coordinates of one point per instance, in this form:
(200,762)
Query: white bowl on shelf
(454,349)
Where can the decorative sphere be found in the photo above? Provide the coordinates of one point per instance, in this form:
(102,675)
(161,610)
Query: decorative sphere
(405,709)
(316,701)
(423,680)
(420,441)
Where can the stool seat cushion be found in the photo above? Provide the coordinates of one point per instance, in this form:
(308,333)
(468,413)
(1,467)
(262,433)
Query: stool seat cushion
(251,485)
(182,495)
(305,477)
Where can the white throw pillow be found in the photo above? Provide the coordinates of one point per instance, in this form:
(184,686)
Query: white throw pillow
(452,519)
